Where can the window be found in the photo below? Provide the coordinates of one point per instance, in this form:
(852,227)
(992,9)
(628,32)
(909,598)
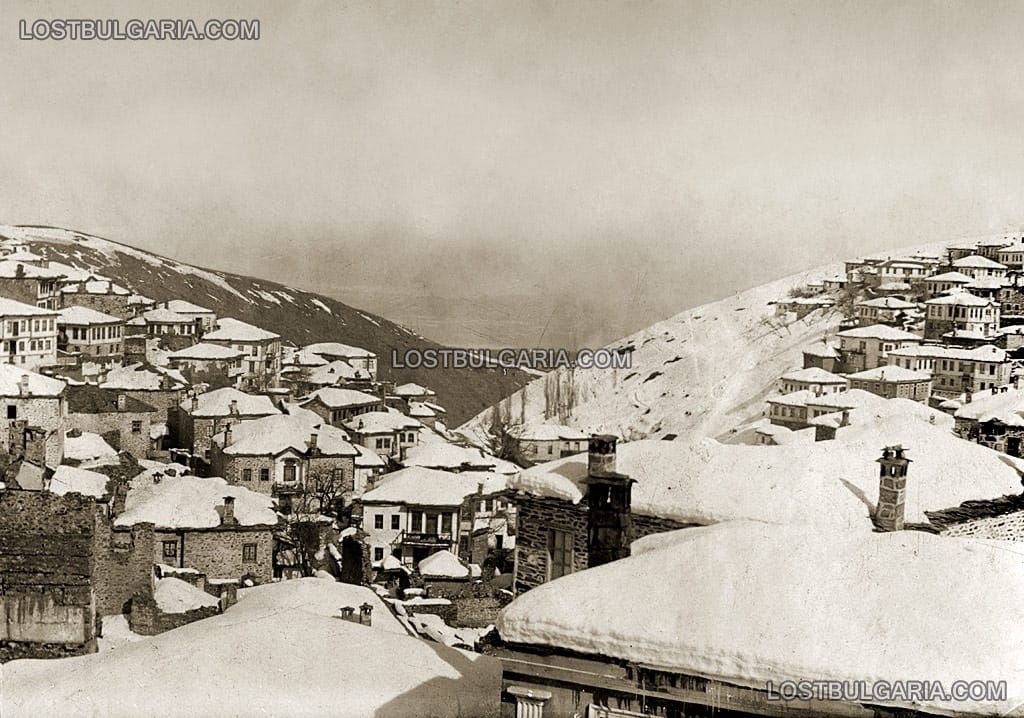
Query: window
(246,474)
(416,522)
(248,553)
(378,553)
(378,521)
(446,523)
(264,474)
(396,522)
(136,427)
(170,549)
(289,471)
(560,546)
(12,411)
(431,524)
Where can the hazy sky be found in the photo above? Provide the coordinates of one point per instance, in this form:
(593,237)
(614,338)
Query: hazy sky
(617,162)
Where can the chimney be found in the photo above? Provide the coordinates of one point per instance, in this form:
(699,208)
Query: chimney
(892,489)
(968,395)
(122,402)
(601,455)
(227,513)
(995,390)
(609,499)
(845,420)
(233,407)
(19,271)
(1015,381)
(312,440)
(227,435)
(23,385)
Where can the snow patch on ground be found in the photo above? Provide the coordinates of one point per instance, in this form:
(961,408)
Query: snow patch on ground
(321,305)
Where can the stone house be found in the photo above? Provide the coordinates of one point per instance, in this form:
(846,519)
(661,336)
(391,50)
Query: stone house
(220,530)
(977,266)
(34,408)
(161,388)
(28,334)
(123,421)
(415,512)
(30,284)
(287,457)
(812,379)
(261,349)
(955,369)
(892,382)
(100,295)
(92,335)
(947,281)
(867,347)
(208,363)
(415,392)
(337,405)
(207,317)
(389,433)
(960,312)
(883,310)
(204,415)
(171,330)
(543,442)
(821,355)
(356,357)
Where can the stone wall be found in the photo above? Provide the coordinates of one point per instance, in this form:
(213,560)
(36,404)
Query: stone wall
(1008,527)
(124,565)
(647,525)
(231,468)
(46,573)
(147,619)
(135,443)
(218,552)
(23,290)
(47,413)
(113,304)
(536,516)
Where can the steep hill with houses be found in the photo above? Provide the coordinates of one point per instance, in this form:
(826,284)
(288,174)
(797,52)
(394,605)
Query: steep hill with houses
(703,373)
(298,316)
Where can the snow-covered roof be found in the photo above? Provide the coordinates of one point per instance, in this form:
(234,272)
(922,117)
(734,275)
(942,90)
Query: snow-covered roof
(821,349)
(960,299)
(69,479)
(412,389)
(988,352)
(234,330)
(890,374)
(419,486)
(208,666)
(13,308)
(367,459)
(87,446)
(304,357)
(547,432)
(768,594)
(813,375)
(140,299)
(879,331)
(218,403)
(183,307)
(37,384)
(893,287)
(96,286)
(950,278)
(139,377)
(1005,406)
(85,316)
(986,283)
(1011,249)
(334,371)
(897,407)
(273,434)
(10,269)
(976,261)
(827,482)
(172,595)
(443,564)
(783,434)
(445,456)
(162,315)
(851,399)
(380,422)
(335,397)
(189,502)
(208,352)
(887,303)
(337,349)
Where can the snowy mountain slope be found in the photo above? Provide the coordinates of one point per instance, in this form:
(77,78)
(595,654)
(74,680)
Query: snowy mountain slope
(298,316)
(702,373)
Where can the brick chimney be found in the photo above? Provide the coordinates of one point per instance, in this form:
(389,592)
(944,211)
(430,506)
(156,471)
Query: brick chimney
(845,420)
(227,512)
(122,402)
(892,489)
(23,385)
(233,407)
(312,440)
(609,499)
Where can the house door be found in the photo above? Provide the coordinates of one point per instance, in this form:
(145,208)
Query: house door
(1013,445)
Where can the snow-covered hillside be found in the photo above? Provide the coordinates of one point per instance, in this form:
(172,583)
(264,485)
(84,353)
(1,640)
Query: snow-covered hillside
(298,316)
(702,373)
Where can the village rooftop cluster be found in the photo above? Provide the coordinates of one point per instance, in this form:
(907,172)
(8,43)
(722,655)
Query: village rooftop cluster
(197,515)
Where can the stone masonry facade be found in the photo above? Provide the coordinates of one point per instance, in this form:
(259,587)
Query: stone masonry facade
(219,552)
(46,573)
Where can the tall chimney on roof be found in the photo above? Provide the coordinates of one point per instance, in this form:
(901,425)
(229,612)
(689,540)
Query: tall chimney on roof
(312,440)
(601,455)
(892,489)
(227,514)
(227,436)
(233,407)
(23,385)
(845,420)
(122,402)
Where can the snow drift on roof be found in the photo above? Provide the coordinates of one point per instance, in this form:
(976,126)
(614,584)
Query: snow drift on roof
(38,385)
(218,403)
(768,594)
(69,479)
(12,308)
(172,595)
(233,330)
(879,331)
(443,564)
(87,446)
(374,422)
(178,502)
(84,315)
(429,487)
(273,434)
(445,456)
